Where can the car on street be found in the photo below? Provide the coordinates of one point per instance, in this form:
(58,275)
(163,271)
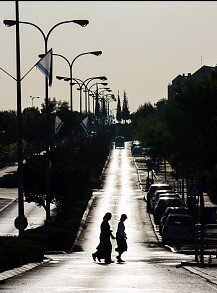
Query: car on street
(153,187)
(119,142)
(135,143)
(172,210)
(178,229)
(158,194)
(163,203)
(172,195)
(137,151)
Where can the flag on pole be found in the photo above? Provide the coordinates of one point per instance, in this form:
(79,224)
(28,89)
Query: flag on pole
(58,124)
(45,64)
(84,124)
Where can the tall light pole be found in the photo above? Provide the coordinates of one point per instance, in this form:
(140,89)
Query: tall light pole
(45,37)
(70,64)
(33,99)
(21,221)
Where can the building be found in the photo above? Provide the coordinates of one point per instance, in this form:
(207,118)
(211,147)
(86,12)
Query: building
(181,80)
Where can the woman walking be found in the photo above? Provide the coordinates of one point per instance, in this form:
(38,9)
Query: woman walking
(121,237)
(104,249)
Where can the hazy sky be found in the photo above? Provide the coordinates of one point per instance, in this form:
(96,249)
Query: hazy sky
(145,45)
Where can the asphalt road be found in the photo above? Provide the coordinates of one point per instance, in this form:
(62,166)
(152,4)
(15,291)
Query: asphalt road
(149,267)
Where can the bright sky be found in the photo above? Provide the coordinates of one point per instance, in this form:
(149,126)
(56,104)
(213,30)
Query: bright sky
(145,45)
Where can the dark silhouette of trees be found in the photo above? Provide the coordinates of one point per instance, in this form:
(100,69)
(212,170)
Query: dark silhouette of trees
(119,112)
(103,109)
(125,109)
(183,129)
(97,105)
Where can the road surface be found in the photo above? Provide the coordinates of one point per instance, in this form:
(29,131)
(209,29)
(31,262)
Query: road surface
(149,267)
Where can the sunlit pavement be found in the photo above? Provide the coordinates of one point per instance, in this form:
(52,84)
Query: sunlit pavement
(148,267)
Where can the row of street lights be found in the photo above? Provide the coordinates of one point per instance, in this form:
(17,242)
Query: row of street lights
(82,84)
(21,221)
(70,64)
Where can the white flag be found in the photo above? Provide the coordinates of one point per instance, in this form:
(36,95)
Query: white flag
(84,124)
(46,65)
(58,124)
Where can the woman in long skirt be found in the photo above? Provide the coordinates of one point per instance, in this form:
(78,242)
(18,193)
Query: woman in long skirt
(104,249)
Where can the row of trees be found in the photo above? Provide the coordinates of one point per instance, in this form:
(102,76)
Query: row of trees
(183,130)
(122,113)
(34,128)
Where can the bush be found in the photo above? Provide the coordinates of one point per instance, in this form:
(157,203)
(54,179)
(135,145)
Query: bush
(9,181)
(15,251)
(60,239)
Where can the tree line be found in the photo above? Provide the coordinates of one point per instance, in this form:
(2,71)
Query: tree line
(183,131)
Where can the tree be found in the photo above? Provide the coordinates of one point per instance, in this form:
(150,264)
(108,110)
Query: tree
(103,109)
(119,112)
(125,109)
(97,107)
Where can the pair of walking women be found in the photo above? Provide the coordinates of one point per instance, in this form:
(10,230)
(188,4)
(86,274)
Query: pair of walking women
(104,249)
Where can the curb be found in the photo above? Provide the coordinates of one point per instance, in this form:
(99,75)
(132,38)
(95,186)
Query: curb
(83,221)
(12,201)
(17,271)
(139,180)
(85,214)
(205,276)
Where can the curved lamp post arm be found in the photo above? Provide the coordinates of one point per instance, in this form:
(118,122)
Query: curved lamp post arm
(103,83)
(77,80)
(78,57)
(79,22)
(87,99)
(59,55)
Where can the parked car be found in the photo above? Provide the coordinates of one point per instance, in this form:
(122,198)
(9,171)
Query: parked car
(172,195)
(157,195)
(151,191)
(178,228)
(162,204)
(172,210)
(137,151)
(135,143)
(119,142)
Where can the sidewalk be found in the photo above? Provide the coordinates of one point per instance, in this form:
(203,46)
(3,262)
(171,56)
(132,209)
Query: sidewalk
(7,195)
(209,272)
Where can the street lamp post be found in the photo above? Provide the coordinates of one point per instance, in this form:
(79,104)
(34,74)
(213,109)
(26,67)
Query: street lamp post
(87,100)
(78,81)
(96,53)
(33,99)
(21,221)
(82,83)
(89,90)
(45,37)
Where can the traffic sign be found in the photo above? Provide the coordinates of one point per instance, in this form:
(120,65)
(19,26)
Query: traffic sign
(21,222)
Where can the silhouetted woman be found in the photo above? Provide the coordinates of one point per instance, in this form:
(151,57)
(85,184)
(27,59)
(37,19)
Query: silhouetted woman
(104,249)
(121,237)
